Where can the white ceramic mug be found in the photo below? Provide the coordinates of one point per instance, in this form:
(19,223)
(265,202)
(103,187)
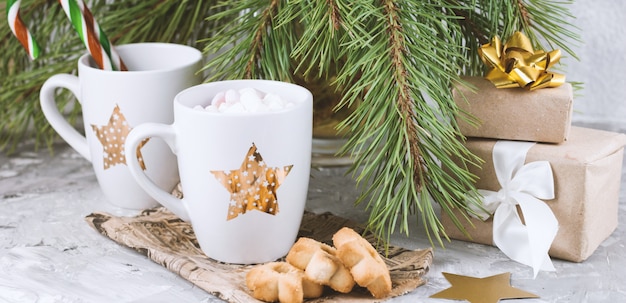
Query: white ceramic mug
(244,176)
(113,102)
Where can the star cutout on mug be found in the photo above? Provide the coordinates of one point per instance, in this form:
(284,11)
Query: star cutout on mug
(112,137)
(253,186)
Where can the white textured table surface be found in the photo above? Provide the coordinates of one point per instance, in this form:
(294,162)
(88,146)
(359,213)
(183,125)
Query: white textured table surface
(48,253)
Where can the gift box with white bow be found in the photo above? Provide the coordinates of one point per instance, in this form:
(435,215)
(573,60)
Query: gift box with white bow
(542,115)
(538,196)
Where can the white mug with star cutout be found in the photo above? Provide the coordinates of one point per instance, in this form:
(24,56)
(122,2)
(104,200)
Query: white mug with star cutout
(114,102)
(244,176)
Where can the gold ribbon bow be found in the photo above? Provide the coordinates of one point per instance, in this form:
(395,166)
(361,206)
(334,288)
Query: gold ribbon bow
(516,64)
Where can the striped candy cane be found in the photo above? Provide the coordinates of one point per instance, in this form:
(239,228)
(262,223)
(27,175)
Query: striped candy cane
(19,29)
(92,36)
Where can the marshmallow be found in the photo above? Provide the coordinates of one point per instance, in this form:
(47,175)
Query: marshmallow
(251,90)
(235,108)
(231,96)
(245,100)
(218,99)
(274,102)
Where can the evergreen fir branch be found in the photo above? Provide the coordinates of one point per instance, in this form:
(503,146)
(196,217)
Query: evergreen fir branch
(316,53)
(398,137)
(19,91)
(543,22)
(247,49)
(394,63)
(128,21)
(258,40)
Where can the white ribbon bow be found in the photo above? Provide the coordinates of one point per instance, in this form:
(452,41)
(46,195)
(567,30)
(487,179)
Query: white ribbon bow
(524,185)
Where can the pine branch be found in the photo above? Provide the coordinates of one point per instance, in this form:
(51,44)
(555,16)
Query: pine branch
(398,137)
(248,50)
(315,53)
(543,22)
(393,63)
(124,22)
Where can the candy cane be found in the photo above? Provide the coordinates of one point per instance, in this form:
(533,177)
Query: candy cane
(96,41)
(19,29)
(92,36)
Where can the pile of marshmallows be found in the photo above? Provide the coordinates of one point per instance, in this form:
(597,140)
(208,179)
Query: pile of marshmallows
(245,100)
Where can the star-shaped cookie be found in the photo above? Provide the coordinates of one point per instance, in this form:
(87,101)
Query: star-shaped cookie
(253,186)
(112,136)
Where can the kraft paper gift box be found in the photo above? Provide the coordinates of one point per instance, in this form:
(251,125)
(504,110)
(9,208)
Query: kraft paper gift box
(542,115)
(586,171)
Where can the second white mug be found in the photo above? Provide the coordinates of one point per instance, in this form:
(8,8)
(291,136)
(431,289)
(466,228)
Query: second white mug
(244,176)
(113,102)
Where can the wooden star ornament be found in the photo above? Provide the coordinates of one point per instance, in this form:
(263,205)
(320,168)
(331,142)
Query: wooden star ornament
(481,290)
(253,186)
(112,137)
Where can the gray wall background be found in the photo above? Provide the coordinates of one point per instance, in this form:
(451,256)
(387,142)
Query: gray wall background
(602,64)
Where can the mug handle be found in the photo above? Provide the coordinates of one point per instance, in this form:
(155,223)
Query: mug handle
(48,105)
(134,138)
